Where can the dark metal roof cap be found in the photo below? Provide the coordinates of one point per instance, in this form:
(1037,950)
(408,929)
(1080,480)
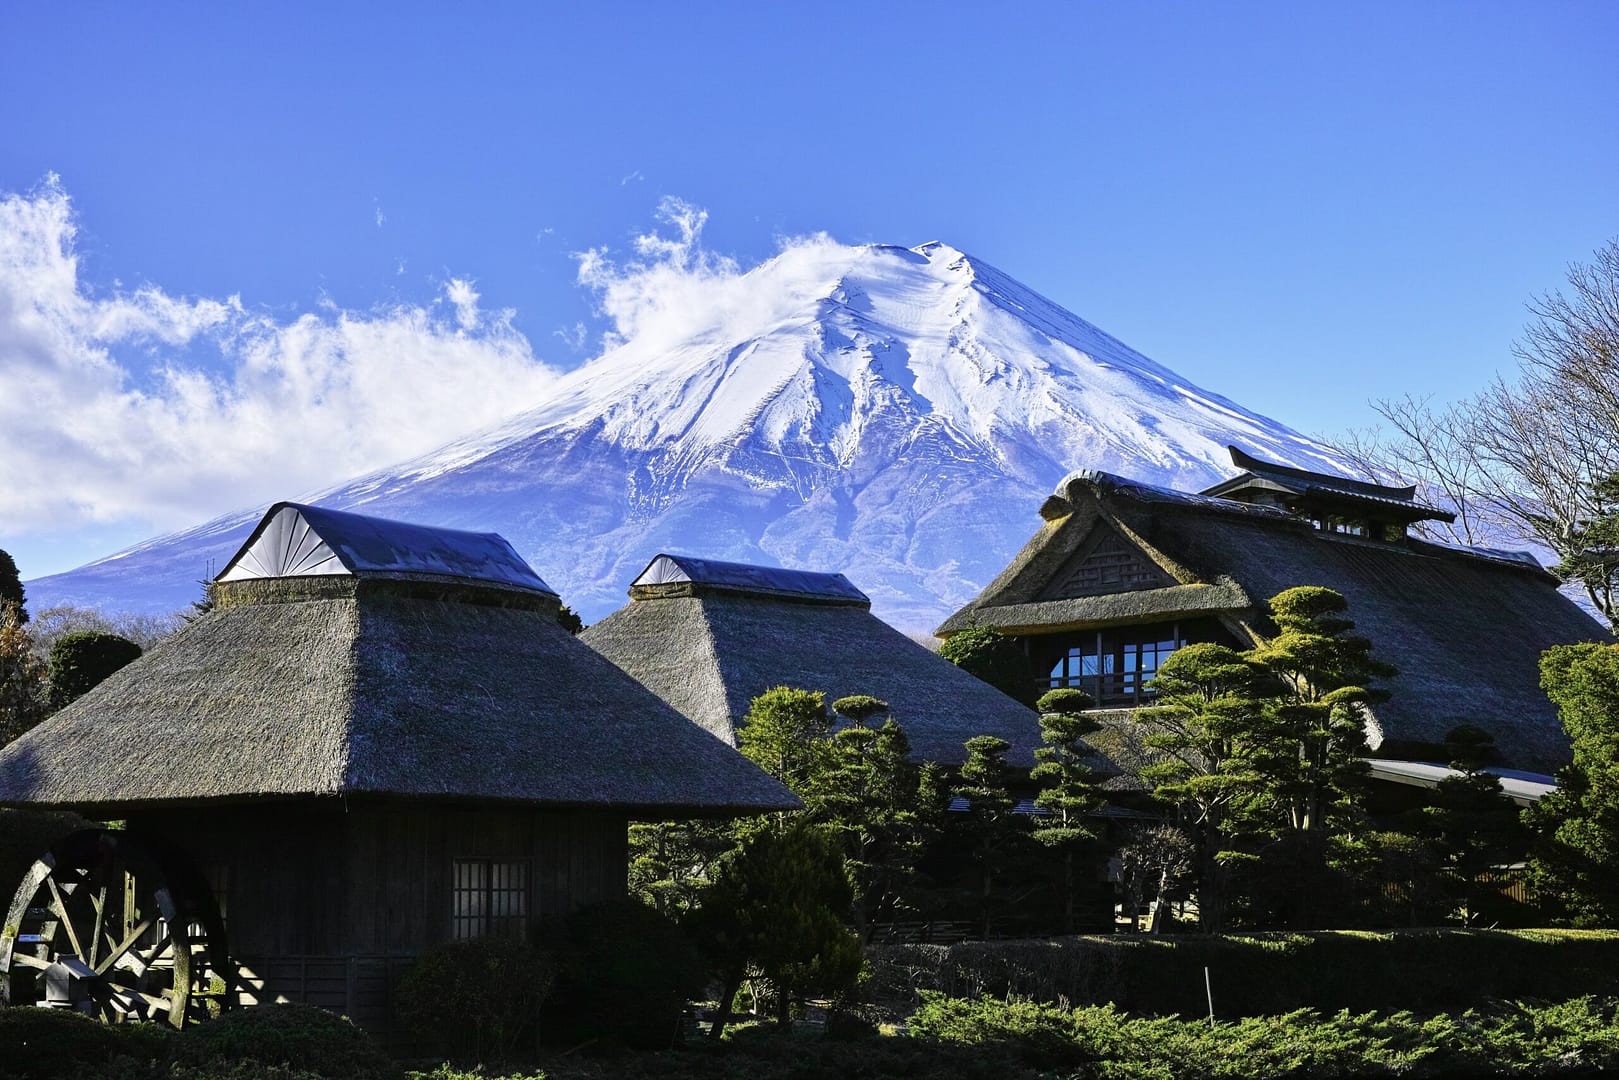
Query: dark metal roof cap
(297,540)
(667,569)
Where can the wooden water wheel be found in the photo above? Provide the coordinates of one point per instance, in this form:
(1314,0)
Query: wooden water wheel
(117,928)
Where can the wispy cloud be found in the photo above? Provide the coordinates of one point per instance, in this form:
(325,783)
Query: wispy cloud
(633,178)
(143,406)
(673,287)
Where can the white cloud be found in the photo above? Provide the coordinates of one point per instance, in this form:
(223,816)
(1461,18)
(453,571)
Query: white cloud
(146,407)
(675,289)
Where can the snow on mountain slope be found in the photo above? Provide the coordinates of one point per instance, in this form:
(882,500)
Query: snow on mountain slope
(896,414)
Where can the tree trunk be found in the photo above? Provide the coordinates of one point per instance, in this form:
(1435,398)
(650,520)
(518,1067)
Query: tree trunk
(722,1016)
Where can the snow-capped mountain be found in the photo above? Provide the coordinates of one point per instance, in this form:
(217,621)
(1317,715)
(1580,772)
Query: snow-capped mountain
(896,414)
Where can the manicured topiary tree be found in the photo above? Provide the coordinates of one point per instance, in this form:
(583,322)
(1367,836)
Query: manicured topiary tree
(870,796)
(1205,726)
(1070,792)
(80,661)
(1472,827)
(992,835)
(785,734)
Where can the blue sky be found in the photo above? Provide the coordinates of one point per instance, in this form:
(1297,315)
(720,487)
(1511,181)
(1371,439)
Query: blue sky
(1301,206)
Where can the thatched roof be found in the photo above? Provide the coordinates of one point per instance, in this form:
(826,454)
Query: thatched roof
(384,682)
(1465,627)
(1302,486)
(711,644)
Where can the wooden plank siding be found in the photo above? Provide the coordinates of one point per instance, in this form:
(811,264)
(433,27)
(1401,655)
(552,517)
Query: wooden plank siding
(328,903)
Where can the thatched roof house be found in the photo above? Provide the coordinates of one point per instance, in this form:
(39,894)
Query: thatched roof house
(378,740)
(708,637)
(347,656)
(1121,573)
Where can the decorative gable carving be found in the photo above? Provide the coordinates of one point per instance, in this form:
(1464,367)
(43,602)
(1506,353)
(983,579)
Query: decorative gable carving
(1107,564)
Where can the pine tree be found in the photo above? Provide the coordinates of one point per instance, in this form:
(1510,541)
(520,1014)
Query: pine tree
(671,862)
(992,835)
(1318,735)
(1575,857)
(1472,825)
(776,910)
(1072,793)
(1208,721)
(785,734)
(871,796)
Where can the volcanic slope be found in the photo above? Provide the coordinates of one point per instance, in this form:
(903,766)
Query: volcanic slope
(897,414)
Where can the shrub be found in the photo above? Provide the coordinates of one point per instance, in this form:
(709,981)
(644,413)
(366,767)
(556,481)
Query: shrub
(58,1044)
(1263,974)
(299,1038)
(994,658)
(627,973)
(81,660)
(474,1000)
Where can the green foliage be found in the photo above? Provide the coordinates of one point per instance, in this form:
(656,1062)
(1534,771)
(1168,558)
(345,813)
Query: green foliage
(1505,1040)
(1070,792)
(1473,827)
(861,709)
(1311,759)
(1575,859)
(672,861)
(995,658)
(776,910)
(1590,551)
(1207,724)
(1262,756)
(627,974)
(56,1044)
(474,1000)
(299,1037)
(22,678)
(993,838)
(1262,974)
(869,799)
(80,661)
(11,587)
(569,619)
(785,734)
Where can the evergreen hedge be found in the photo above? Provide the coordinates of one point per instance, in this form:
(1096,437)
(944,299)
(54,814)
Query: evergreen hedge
(1426,971)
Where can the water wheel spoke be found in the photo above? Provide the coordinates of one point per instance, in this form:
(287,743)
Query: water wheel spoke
(121,950)
(60,907)
(28,961)
(98,900)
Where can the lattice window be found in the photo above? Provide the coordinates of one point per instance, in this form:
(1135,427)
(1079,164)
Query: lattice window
(1116,666)
(1112,566)
(490,898)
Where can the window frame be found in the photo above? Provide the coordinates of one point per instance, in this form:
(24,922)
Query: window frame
(492,891)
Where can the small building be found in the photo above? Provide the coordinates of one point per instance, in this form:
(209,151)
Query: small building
(379,739)
(1121,574)
(708,637)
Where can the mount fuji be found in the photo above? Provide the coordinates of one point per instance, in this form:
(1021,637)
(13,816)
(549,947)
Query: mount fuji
(897,414)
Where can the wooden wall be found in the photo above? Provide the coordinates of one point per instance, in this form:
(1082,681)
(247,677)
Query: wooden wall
(326,902)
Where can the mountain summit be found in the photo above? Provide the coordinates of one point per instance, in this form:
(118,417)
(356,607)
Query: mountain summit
(893,413)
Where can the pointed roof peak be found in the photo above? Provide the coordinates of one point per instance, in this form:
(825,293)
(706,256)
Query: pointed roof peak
(296,540)
(668,573)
